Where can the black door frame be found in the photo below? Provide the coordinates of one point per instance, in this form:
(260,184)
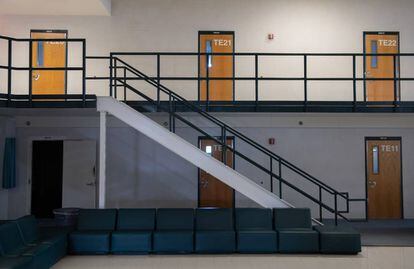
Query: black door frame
(384,138)
(200,138)
(397,72)
(66,32)
(200,33)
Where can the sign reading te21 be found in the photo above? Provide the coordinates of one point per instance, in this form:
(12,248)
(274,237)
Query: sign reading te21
(222,42)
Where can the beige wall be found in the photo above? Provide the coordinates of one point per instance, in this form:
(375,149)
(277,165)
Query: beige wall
(172,25)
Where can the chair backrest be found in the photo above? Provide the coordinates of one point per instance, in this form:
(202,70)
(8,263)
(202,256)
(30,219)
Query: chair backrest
(175,219)
(293,218)
(96,219)
(214,219)
(254,219)
(136,219)
(29,229)
(10,237)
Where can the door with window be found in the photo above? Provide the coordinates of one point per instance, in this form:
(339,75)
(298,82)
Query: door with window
(216,66)
(213,192)
(384,187)
(49,54)
(382,66)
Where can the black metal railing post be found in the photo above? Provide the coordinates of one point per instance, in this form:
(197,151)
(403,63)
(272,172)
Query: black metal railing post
(280,179)
(30,71)
(354,84)
(320,204)
(336,208)
(305,81)
(271,174)
(170,111)
(395,82)
(207,83)
(158,81)
(116,79)
(256,77)
(9,71)
(111,76)
(83,72)
(125,82)
(224,144)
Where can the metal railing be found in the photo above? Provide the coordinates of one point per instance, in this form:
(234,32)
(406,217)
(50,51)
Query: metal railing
(121,81)
(10,67)
(354,104)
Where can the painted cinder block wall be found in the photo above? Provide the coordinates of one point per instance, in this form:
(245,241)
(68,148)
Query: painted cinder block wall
(172,25)
(141,173)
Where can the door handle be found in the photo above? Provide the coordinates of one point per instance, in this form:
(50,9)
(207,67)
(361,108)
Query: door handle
(372,184)
(204,184)
(90,184)
(36,77)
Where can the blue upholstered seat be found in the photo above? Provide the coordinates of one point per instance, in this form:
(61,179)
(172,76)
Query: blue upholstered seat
(339,240)
(294,227)
(255,232)
(134,231)
(31,236)
(93,231)
(215,231)
(175,231)
(16,253)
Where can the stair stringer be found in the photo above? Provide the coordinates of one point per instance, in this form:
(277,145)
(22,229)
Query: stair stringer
(189,152)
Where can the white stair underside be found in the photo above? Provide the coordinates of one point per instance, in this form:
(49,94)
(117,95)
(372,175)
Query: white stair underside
(189,152)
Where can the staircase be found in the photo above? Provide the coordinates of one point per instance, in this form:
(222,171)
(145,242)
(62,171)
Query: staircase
(327,198)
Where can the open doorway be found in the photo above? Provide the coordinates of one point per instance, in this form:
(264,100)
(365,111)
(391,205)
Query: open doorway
(47,171)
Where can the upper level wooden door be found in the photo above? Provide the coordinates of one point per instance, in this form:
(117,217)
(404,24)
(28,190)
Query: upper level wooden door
(384,179)
(216,66)
(381,66)
(213,192)
(49,54)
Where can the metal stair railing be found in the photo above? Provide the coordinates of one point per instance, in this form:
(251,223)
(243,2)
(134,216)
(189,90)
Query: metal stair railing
(173,98)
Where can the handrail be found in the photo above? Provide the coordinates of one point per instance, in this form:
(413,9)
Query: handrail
(229,128)
(173,97)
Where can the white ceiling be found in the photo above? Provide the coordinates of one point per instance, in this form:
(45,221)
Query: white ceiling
(56,7)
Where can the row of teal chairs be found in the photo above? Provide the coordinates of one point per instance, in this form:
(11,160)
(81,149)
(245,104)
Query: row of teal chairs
(207,230)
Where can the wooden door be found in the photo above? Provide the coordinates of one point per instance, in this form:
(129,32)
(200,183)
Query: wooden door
(213,192)
(384,179)
(381,66)
(216,66)
(48,54)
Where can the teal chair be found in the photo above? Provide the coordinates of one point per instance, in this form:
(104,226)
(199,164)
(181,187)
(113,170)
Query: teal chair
(93,231)
(294,227)
(134,231)
(215,231)
(16,254)
(31,237)
(338,240)
(175,231)
(255,232)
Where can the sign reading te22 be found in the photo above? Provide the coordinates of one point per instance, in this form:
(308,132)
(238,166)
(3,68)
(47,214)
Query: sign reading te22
(387,43)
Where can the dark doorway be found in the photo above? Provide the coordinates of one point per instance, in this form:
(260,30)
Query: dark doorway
(47,166)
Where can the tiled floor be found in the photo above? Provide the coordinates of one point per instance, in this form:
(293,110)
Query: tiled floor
(370,258)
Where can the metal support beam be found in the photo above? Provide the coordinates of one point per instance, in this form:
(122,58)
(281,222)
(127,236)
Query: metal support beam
(102,160)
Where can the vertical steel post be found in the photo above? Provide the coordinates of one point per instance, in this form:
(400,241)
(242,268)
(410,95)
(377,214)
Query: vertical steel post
(256,77)
(83,72)
(354,86)
(9,71)
(305,80)
(271,174)
(158,81)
